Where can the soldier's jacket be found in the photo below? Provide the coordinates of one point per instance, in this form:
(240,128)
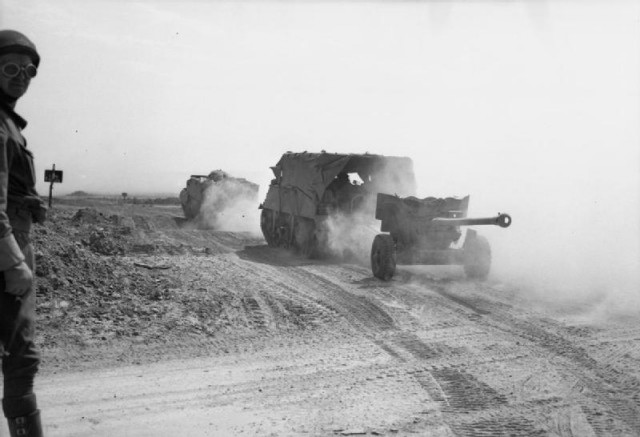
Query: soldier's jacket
(19,200)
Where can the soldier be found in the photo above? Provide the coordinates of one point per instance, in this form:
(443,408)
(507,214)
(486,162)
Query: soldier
(343,191)
(20,206)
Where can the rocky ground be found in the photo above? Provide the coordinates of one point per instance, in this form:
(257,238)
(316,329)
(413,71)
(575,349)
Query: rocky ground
(110,289)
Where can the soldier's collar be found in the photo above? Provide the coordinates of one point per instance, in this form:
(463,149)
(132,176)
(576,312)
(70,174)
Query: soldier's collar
(21,122)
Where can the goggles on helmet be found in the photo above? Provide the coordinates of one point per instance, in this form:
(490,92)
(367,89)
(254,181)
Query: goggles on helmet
(12,70)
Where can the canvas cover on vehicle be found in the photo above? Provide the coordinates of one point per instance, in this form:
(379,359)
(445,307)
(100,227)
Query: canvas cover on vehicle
(302,178)
(420,210)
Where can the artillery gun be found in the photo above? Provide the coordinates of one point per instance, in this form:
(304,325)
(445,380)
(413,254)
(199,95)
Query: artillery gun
(423,231)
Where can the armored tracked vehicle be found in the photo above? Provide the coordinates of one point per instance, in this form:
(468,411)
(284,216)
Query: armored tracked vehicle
(310,187)
(207,196)
(423,231)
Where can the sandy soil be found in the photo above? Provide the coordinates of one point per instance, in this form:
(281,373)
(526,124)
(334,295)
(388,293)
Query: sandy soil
(209,333)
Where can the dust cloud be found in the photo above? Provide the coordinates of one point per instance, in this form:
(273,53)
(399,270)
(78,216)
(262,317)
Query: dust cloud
(351,235)
(574,244)
(585,261)
(230,205)
(575,237)
(394,177)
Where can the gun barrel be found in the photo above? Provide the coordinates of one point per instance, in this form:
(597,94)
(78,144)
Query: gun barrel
(502,220)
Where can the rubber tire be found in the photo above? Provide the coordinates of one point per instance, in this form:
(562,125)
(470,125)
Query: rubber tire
(383,257)
(477,258)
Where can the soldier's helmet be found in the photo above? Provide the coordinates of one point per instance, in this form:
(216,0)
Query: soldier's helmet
(12,41)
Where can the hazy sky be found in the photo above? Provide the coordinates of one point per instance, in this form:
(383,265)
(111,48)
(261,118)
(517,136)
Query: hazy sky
(531,107)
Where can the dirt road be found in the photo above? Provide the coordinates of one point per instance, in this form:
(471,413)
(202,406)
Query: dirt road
(329,350)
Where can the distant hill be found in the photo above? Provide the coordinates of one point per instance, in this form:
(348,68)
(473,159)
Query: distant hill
(77,197)
(79,194)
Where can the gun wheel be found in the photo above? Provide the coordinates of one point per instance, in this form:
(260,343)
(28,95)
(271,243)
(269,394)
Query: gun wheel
(477,258)
(383,257)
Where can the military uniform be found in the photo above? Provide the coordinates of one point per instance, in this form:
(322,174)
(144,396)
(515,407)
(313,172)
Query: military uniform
(20,207)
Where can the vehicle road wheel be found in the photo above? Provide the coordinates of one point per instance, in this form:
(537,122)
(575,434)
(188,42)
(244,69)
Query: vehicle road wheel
(304,236)
(477,257)
(266,225)
(383,257)
(283,232)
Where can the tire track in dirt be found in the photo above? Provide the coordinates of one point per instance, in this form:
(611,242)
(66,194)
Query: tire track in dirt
(373,322)
(255,312)
(361,311)
(459,393)
(279,298)
(619,392)
(273,311)
(499,426)
(331,301)
(254,296)
(472,406)
(455,386)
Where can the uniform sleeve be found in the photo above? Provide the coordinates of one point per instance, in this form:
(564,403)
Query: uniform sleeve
(10,253)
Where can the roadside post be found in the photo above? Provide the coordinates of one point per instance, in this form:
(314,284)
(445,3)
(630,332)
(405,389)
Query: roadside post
(52,176)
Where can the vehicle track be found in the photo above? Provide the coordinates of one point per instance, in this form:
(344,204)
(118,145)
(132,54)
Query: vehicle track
(458,391)
(602,391)
(598,380)
(337,297)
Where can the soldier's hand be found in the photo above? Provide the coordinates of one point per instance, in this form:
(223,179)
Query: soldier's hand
(39,214)
(18,279)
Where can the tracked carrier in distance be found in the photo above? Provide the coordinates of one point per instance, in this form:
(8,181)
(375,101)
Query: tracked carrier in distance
(216,191)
